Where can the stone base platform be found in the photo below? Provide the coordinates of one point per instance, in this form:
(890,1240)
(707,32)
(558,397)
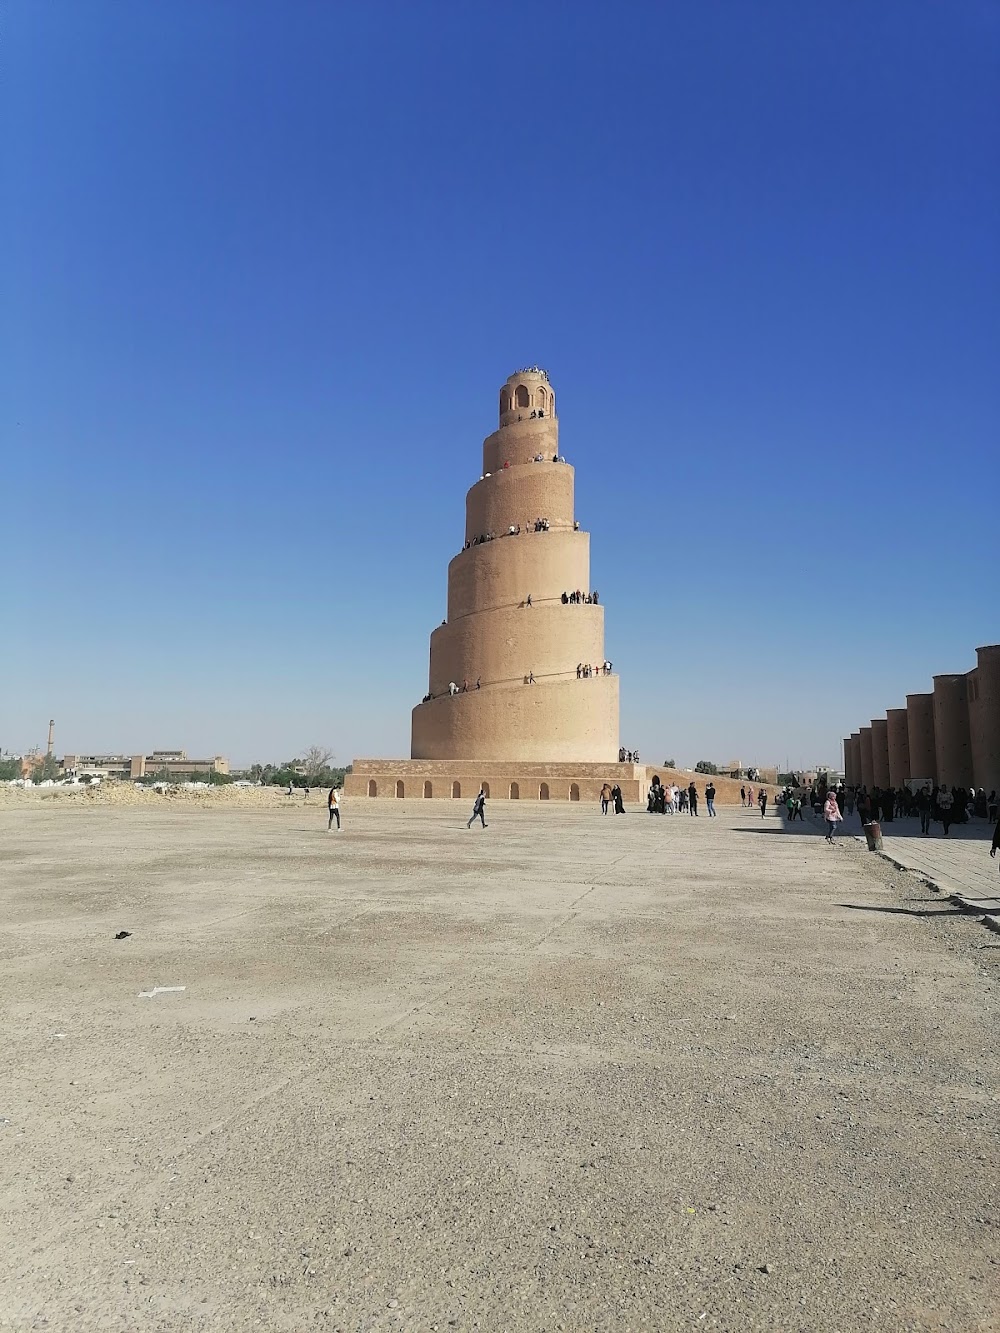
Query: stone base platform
(441,779)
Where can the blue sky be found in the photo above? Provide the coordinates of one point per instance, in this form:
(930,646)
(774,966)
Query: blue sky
(267,265)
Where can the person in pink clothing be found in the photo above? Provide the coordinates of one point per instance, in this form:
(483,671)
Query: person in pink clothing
(832,815)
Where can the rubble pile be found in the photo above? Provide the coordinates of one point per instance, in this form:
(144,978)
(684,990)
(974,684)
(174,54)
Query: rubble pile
(124,793)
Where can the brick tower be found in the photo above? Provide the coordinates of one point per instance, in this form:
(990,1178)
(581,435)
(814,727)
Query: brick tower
(520,698)
(545,693)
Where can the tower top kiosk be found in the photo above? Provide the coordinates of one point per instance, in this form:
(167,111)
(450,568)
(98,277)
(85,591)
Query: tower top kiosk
(527,393)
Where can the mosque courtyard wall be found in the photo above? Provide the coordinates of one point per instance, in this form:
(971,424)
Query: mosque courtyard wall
(950,735)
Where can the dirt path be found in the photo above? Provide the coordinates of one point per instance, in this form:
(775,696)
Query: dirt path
(571,1072)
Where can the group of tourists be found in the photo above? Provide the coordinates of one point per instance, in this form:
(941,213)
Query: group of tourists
(626,756)
(579,598)
(749,800)
(668,799)
(584,670)
(539,525)
(455,688)
(932,804)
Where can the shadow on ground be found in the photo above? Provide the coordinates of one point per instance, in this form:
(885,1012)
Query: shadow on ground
(905,911)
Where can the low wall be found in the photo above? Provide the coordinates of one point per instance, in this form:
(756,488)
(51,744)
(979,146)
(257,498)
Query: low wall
(431,779)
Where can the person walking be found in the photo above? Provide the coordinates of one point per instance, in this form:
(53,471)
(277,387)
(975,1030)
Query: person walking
(479,809)
(333,806)
(605,798)
(710,800)
(832,815)
(924,807)
(996,840)
(762,802)
(945,804)
(692,799)
(616,794)
(750,798)
(743,795)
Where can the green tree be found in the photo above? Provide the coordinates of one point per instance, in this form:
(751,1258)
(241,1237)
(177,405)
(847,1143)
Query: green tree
(705,766)
(670,763)
(10,768)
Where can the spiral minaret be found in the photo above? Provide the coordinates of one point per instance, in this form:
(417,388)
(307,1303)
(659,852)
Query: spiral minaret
(545,692)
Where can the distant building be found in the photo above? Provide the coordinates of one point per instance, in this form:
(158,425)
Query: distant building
(128,768)
(828,771)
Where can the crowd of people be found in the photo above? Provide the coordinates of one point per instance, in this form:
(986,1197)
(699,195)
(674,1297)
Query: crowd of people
(579,598)
(669,799)
(627,756)
(834,805)
(584,670)
(930,803)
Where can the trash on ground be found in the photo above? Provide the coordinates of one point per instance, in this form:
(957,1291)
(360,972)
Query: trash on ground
(159,990)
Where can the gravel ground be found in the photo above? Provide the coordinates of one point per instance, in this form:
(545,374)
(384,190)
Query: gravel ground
(570,1072)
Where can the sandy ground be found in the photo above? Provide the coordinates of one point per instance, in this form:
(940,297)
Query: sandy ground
(571,1072)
